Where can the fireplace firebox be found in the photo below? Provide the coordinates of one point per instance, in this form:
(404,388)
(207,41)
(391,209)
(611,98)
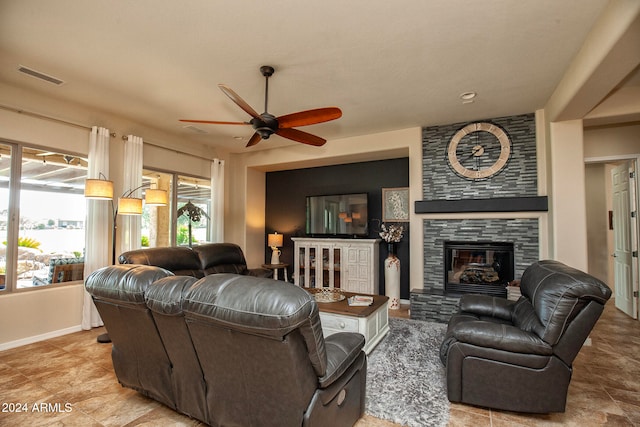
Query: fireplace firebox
(478,267)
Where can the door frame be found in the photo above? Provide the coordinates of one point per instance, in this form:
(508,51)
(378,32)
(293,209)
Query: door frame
(634,158)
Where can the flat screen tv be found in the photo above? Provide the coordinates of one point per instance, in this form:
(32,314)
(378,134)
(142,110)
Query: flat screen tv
(338,215)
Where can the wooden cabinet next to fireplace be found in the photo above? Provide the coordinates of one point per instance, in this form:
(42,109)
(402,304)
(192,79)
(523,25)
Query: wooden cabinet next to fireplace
(349,264)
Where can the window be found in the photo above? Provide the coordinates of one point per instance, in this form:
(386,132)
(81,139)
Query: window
(156,220)
(49,231)
(194,201)
(5,180)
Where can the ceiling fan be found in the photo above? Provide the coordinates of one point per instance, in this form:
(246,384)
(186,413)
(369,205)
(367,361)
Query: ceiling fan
(267,124)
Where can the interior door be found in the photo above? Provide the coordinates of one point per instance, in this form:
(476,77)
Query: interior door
(624,237)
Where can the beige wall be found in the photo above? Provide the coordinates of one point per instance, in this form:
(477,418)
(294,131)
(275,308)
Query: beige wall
(568,189)
(605,142)
(29,316)
(597,221)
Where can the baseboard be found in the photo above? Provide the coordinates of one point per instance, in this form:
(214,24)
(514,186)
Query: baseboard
(37,338)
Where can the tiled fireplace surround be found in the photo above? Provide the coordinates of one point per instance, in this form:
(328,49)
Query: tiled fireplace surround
(518,180)
(430,303)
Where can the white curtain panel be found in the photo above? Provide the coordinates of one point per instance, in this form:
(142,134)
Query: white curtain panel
(98,222)
(216,224)
(131,224)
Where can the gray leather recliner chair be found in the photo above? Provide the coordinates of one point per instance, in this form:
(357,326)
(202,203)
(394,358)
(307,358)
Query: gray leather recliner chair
(518,356)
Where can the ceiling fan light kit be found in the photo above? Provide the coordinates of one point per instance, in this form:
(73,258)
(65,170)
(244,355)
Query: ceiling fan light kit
(267,124)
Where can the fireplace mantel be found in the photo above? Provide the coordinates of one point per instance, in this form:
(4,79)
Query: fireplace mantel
(499,204)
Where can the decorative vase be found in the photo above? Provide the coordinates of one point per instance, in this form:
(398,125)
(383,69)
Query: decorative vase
(392,277)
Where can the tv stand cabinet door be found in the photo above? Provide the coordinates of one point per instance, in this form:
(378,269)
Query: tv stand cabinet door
(317,263)
(359,275)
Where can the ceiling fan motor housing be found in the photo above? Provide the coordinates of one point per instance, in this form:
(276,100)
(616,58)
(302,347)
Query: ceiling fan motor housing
(265,125)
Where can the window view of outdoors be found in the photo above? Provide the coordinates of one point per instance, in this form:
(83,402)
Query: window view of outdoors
(156,220)
(52,211)
(194,208)
(52,214)
(5,174)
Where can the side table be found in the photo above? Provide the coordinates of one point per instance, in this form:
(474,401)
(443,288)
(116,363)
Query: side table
(275,268)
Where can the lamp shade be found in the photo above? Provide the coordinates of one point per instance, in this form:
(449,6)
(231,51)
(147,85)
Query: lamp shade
(129,206)
(100,189)
(275,240)
(155,197)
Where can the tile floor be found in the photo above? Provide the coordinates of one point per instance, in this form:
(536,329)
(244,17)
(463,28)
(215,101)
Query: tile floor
(70,381)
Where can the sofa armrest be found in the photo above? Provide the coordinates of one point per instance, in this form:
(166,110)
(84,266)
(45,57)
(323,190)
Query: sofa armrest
(260,272)
(486,305)
(342,349)
(500,336)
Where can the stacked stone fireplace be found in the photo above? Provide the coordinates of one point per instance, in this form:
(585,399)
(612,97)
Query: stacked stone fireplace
(433,302)
(460,210)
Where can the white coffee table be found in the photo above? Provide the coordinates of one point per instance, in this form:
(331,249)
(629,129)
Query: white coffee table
(371,321)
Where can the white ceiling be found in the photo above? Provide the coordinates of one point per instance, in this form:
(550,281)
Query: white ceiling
(388,65)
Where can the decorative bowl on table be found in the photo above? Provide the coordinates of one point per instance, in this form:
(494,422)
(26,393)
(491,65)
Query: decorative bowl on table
(327,294)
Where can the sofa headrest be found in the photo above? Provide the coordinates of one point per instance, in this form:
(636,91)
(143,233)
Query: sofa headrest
(558,293)
(179,260)
(166,295)
(215,254)
(124,283)
(258,306)
(250,302)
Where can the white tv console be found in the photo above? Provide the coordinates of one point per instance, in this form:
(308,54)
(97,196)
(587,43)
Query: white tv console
(349,264)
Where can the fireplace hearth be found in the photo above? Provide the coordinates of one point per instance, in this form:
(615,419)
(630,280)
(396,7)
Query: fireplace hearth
(477,267)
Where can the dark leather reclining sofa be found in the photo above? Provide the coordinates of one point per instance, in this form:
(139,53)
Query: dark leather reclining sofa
(518,356)
(199,261)
(229,349)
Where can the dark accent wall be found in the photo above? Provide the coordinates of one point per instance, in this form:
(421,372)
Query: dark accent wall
(286,193)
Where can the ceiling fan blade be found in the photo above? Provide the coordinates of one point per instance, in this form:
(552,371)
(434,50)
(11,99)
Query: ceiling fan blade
(254,140)
(299,136)
(214,122)
(309,117)
(241,102)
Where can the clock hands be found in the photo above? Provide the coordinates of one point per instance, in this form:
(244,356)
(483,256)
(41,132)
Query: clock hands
(476,152)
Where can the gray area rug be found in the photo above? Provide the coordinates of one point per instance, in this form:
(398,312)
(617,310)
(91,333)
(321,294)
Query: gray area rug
(405,378)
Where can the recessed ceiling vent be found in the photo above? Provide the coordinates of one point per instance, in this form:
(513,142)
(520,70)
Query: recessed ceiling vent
(195,129)
(38,75)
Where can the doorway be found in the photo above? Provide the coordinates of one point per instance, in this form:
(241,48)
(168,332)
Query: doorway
(611,230)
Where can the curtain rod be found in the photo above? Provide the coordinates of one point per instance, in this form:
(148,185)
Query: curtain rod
(144,141)
(81,126)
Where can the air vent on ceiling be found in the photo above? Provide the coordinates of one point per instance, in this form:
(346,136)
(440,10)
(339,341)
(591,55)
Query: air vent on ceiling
(38,75)
(192,128)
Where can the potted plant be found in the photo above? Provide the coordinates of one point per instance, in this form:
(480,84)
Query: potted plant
(194,214)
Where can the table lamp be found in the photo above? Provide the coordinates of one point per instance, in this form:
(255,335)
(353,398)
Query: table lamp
(275,241)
